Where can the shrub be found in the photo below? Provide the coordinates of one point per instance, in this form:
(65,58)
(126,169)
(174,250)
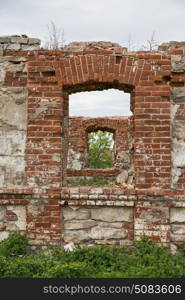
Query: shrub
(27,267)
(16,244)
(3,266)
(146,259)
(18,268)
(149,260)
(68,270)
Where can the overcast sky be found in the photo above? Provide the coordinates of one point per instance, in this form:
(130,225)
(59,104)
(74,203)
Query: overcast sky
(93,20)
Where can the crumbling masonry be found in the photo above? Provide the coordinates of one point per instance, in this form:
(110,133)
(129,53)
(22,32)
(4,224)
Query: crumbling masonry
(36,141)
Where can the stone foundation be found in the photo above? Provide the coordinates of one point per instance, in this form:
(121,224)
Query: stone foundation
(105,225)
(155,215)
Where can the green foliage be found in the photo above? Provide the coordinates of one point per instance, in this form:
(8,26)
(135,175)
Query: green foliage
(96,257)
(20,268)
(68,270)
(150,260)
(182,251)
(27,267)
(145,259)
(15,244)
(97,181)
(100,149)
(3,266)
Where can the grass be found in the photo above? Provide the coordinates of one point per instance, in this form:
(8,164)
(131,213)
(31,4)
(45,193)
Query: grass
(96,181)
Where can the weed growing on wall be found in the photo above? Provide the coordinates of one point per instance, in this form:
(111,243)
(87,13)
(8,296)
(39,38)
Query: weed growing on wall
(96,181)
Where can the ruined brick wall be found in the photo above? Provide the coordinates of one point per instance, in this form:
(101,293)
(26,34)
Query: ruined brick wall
(79,127)
(34,130)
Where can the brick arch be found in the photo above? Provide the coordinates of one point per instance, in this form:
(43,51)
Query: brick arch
(95,128)
(95,71)
(91,72)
